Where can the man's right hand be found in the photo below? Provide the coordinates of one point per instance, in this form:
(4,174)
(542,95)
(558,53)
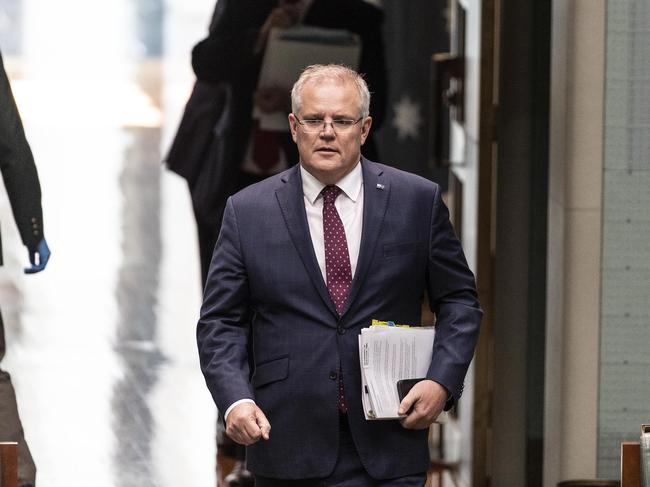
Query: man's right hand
(246,424)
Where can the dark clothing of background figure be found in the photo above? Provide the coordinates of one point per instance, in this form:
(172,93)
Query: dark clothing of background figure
(24,191)
(214,133)
(18,168)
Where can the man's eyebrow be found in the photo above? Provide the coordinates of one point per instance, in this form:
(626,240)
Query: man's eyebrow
(321,115)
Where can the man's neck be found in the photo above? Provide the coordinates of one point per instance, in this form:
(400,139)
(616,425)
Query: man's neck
(328,178)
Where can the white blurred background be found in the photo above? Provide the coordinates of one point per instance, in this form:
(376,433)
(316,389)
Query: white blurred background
(101,344)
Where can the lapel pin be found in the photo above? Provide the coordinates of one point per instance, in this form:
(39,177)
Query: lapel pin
(380,186)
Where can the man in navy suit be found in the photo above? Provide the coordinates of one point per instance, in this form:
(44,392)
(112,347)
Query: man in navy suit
(307,258)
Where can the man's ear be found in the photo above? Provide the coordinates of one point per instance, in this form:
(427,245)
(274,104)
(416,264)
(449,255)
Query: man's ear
(365,129)
(293,126)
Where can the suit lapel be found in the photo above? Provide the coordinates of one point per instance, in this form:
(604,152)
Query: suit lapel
(376,191)
(290,197)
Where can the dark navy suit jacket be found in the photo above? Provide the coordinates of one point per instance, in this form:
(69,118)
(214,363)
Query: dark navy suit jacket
(265,295)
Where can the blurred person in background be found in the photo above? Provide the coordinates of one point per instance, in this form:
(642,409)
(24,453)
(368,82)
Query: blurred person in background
(24,191)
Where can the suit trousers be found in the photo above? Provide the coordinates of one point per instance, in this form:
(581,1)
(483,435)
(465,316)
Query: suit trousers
(348,472)
(11,428)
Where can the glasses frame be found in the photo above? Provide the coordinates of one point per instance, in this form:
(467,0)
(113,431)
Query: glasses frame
(324,124)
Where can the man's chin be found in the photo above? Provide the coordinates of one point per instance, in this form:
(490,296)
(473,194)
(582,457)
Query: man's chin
(326,155)
(327,160)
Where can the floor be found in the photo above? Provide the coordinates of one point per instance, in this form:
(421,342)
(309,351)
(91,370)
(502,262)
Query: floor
(101,344)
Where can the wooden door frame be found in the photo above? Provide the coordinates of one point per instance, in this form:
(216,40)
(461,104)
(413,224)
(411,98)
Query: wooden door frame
(486,237)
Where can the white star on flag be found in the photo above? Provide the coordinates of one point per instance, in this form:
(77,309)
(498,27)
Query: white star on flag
(407,118)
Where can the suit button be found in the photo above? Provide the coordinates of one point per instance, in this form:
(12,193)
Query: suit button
(333,375)
(340,330)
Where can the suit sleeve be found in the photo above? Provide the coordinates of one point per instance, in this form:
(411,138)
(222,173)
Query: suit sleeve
(223,330)
(18,168)
(453,297)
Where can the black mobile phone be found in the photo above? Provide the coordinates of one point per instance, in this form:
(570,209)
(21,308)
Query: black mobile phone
(405,385)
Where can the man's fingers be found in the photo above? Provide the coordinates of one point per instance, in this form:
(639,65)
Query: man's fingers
(406,403)
(244,433)
(263,424)
(252,431)
(417,425)
(246,424)
(425,400)
(409,406)
(415,415)
(418,419)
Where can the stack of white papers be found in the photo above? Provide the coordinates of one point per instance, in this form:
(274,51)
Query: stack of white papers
(388,354)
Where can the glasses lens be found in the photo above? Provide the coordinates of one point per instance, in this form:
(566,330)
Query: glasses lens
(338,125)
(342,124)
(313,125)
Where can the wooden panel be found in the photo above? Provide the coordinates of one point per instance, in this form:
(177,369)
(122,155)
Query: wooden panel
(486,230)
(8,464)
(630,464)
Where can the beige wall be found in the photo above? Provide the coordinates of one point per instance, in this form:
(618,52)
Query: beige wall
(575,200)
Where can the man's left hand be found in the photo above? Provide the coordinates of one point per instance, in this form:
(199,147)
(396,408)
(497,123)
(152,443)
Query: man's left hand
(424,402)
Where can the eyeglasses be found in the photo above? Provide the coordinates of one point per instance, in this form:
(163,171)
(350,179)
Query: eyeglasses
(315,125)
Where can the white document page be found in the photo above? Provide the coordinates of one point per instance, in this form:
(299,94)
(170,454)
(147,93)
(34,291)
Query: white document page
(368,408)
(387,355)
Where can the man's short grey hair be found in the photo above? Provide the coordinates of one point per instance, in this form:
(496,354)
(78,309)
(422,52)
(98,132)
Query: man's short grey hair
(329,72)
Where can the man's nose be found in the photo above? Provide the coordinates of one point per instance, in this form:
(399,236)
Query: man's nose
(327,130)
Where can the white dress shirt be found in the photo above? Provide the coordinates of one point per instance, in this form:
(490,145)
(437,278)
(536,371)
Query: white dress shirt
(349,206)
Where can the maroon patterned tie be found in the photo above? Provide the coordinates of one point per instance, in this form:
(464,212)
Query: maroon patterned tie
(337,263)
(337,258)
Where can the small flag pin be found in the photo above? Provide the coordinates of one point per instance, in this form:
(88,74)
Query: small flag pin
(380,186)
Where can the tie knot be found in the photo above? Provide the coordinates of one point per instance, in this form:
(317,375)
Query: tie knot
(330,193)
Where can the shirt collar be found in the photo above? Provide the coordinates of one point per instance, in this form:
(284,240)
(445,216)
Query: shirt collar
(350,184)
